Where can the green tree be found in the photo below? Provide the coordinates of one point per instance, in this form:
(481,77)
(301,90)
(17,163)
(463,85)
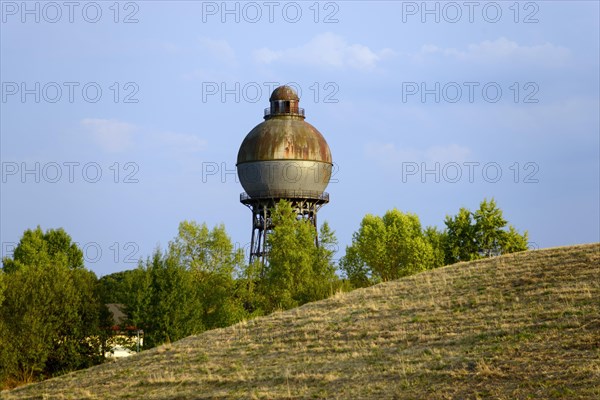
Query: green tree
(113,287)
(49,318)
(470,236)
(391,246)
(356,270)
(175,309)
(324,280)
(77,341)
(297,271)
(6,353)
(138,284)
(513,241)
(2,286)
(187,289)
(461,244)
(163,300)
(250,289)
(213,261)
(37,247)
(29,320)
(489,224)
(437,239)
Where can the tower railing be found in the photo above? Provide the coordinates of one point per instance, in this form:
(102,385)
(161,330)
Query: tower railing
(285,194)
(298,111)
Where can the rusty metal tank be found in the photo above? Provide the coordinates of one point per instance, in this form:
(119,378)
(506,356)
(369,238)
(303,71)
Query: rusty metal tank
(284,156)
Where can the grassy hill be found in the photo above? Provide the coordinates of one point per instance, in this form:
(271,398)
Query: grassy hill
(519,326)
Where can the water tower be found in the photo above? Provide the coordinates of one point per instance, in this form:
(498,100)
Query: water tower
(283,157)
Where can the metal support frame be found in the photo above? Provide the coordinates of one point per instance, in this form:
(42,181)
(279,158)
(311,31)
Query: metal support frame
(262,224)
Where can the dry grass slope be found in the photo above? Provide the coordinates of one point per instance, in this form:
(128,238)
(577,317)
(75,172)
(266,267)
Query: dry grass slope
(519,326)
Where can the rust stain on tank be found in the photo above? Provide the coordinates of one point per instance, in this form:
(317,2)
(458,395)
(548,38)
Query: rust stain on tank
(284,138)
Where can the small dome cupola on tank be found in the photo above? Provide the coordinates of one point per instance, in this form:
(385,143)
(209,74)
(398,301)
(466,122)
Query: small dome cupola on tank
(284,101)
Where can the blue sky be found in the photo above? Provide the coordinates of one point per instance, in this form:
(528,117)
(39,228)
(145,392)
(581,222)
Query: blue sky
(120,120)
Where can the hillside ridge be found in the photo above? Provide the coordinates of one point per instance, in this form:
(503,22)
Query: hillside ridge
(520,325)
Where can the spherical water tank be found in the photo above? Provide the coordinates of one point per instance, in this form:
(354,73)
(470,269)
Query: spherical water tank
(284,156)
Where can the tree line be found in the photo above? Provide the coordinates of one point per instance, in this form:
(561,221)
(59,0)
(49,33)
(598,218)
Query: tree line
(396,245)
(53,317)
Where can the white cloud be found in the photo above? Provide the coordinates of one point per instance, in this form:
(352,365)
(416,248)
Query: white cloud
(325,50)
(219,49)
(111,135)
(503,50)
